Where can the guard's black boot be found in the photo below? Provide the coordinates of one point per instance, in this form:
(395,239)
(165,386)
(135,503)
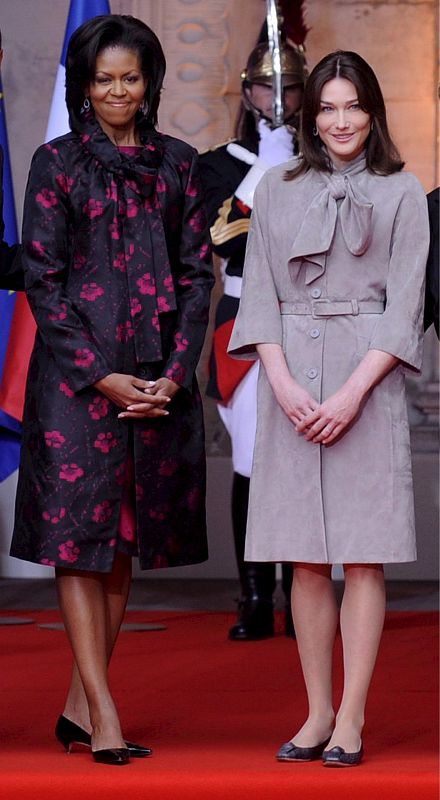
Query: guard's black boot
(255,621)
(286,583)
(255,618)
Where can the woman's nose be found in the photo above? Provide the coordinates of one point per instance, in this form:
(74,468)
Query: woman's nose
(341,121)
(118,88)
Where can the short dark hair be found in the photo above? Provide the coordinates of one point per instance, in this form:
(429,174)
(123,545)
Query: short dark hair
(112,30)
(382,155)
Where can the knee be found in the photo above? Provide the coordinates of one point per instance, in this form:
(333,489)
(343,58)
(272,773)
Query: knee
(311,574)
(364,573)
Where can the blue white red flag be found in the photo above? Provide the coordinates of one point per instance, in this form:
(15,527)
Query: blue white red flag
(17,339)
(79,11)
(9,427)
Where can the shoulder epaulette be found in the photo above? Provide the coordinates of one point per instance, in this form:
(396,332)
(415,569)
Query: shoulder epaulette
(216,146)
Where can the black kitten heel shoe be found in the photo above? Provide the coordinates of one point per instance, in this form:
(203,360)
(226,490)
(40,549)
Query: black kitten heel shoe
(116,756)
(291,752)
(68,733)
(337,757)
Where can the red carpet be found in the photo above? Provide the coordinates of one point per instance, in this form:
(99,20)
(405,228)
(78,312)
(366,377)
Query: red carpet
(215,713)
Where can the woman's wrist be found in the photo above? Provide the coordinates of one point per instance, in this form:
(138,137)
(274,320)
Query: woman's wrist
(373,367)
(358,386)
(102,382)
(274,363)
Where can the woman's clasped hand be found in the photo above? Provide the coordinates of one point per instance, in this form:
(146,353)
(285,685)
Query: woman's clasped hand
(328,420)
(128,392)
(320,423)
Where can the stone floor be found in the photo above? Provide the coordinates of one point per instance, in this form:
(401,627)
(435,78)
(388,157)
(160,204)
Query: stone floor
(210,595)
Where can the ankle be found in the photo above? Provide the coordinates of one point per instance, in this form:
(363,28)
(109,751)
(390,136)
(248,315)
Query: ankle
(79,715)
(321,716)
(107,735)
(346,719)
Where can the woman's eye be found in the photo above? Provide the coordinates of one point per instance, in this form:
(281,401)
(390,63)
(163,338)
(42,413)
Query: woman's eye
(132,79)
(102,80)
(354,106)
(326,108)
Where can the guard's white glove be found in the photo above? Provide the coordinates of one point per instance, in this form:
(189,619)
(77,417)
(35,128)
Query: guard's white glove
(276,146)
(246,189)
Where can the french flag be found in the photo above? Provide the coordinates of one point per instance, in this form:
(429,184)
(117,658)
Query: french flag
(22,332)
(80,11)
(9,427)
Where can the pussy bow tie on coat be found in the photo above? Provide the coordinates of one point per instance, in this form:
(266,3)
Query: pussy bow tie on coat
(318,227)
(143,236)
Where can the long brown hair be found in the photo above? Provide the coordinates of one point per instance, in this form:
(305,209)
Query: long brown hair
(382,155)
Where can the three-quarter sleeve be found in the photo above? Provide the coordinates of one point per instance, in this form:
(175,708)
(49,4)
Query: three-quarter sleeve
(46,262)
(399,330)
(194,281)
(258,320)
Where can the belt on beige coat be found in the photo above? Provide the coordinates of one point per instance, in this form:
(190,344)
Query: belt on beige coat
(332,308)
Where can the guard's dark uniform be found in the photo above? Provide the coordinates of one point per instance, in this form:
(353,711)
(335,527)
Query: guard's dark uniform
(229,221)
(432,270)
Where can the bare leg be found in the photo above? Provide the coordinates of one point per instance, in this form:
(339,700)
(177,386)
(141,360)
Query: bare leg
(116,590)
(92,610)
(315,617)
(362,617)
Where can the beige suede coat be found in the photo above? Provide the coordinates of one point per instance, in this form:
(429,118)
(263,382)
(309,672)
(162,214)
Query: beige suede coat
(335,265)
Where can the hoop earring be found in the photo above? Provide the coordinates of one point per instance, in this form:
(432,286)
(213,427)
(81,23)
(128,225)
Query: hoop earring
(315,131)
(85,105)
(372,126)
(144,108)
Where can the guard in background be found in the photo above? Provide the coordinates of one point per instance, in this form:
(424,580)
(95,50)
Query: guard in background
(230,174)
(432,264)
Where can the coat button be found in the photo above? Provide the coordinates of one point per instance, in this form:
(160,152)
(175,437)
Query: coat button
(314,333)
(312,373)
(315,293)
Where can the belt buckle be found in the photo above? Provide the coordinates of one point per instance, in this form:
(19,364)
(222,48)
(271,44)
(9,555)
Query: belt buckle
(315,312)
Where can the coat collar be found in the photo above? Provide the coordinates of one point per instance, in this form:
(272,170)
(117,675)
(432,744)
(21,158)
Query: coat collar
(316,233)
(140,171)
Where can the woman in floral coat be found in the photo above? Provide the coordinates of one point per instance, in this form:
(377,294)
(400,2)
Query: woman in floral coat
(118,276)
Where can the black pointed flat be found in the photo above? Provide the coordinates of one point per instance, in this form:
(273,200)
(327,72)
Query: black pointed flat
(337,757)
(291,752)
(117,756)
(69,733)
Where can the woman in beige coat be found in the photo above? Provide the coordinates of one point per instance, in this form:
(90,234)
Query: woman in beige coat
(332,305)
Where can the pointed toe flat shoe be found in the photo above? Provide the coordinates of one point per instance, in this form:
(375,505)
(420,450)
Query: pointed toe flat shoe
(337,757)
(291,752)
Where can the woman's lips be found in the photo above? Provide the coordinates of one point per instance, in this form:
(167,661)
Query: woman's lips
(342,137)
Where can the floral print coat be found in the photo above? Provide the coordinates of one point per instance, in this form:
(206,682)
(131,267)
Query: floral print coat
(118,276)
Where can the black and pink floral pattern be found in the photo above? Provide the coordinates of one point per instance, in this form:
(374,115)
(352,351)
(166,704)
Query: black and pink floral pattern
(118,276)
